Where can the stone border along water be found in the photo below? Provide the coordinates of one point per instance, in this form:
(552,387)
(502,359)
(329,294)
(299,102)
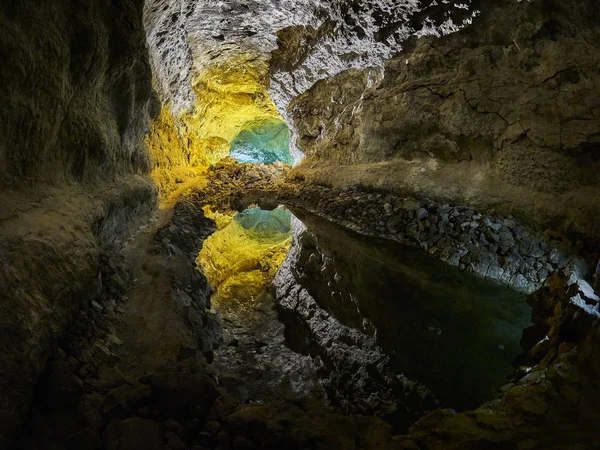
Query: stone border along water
(492,247)
(496,247)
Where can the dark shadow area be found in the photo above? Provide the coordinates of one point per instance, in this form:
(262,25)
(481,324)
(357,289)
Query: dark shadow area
(455,333)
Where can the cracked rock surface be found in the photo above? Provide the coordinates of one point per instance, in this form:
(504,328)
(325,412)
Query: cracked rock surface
(501,115)
(315,39)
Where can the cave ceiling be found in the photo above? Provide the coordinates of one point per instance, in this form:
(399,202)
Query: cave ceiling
(316,39)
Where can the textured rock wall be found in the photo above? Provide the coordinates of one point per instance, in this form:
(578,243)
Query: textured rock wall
(75,82)
(312,41)
(349,34)
(76,90)
(551,402)
(502,114)
(495,247)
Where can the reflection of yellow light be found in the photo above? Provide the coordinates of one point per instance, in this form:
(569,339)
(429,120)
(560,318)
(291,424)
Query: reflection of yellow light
(230,96)
(239,263)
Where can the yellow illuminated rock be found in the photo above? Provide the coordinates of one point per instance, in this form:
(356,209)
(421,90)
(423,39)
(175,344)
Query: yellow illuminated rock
(172,164)
(241,260)
(221,219)
(231,96)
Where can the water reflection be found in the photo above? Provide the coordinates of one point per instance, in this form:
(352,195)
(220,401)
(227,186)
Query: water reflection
(455,333)
(241,259)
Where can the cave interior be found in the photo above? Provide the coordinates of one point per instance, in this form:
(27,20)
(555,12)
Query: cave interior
(300,224)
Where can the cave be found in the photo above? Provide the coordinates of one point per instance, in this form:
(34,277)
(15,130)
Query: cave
(251,224)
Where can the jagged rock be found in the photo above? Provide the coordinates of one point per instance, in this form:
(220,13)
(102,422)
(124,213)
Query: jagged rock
(174,442)
(62,384)
(455,116)
(127,398)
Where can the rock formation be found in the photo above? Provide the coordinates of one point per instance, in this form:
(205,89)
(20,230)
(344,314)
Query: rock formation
(462,131)
(76,85)
(500,115)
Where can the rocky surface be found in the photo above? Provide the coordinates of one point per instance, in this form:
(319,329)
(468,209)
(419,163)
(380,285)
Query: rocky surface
(76,85)
(235,186)
(56,251)
(313,40)
(254,364)
(340,35)
(88,105)
(496,247)
(500,115)
(305,425)
(356,373)
(116,383)
(542,407)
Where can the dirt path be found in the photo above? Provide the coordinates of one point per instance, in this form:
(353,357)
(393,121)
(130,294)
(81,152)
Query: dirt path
(151,325)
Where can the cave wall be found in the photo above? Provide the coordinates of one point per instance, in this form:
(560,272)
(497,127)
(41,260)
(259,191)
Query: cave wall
(501,115)
(289,44)
(76,91)
(76,86)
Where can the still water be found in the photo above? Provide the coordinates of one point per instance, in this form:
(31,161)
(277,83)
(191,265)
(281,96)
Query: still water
(456,334)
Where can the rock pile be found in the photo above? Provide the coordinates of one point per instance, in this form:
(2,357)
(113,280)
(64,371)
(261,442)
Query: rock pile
(493,247)
(236,185)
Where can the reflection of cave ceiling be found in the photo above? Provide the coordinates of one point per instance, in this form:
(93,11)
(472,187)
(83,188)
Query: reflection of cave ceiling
(185,37)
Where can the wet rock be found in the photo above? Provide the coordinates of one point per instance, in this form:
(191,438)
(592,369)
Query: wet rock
(305,425)
(234,385)
(422,214)
(172,425)
(213,427)
(126,398)
(89,408)
(190,428)
(108,378)
(87,439)
(103,355)
(62,384)
(205,439)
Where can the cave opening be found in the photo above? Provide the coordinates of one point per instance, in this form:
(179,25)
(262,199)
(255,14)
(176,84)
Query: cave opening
(263,142)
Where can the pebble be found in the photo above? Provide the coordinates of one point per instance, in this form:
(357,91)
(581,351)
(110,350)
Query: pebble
(422,213)
(213,427)
(174,442)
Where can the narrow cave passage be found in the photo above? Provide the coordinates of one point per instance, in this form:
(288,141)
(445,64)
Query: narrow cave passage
(299,224)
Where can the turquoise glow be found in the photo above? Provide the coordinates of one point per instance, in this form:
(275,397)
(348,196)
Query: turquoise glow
(264,142)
